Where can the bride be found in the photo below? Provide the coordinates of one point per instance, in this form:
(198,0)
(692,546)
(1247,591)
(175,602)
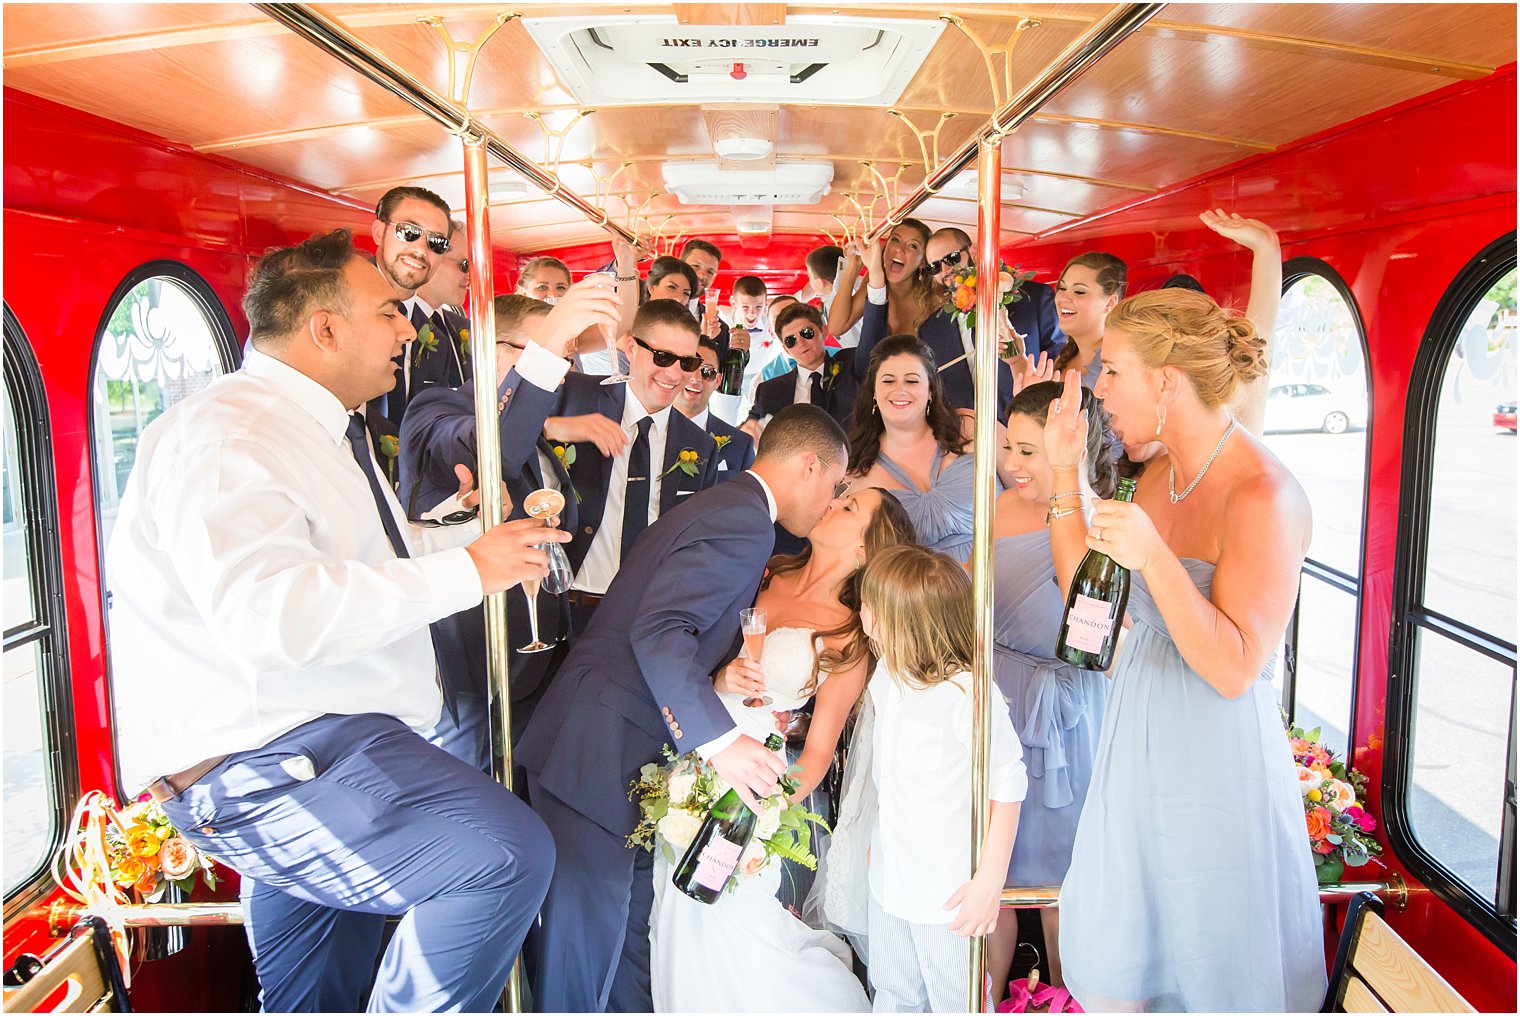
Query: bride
(747,952)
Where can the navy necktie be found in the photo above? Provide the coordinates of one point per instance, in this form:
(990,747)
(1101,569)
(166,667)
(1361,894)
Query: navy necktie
(816,394)
(636,493)
(360,447)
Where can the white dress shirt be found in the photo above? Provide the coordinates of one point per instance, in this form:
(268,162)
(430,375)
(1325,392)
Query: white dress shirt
(606,550)
(921,765)
(803,394)
(252,584)
(717,744)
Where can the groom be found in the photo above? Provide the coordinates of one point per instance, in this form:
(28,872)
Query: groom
(641,676)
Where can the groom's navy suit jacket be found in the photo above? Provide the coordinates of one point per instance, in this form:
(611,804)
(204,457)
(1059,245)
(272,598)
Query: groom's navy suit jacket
(641,674)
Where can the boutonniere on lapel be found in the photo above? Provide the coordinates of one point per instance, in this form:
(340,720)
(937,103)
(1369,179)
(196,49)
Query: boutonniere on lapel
(464,341)
(566,456)
(831,374)
(722,440)
(390,448)
(687,462)
(427,341)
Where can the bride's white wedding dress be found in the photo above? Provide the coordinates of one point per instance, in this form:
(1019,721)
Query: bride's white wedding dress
(746,952)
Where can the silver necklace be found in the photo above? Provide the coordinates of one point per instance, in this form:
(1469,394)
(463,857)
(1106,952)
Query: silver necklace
(1171,475)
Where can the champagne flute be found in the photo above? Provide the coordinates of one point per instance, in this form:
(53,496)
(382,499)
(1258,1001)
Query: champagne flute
(615,376)
(544,504)
(752,622)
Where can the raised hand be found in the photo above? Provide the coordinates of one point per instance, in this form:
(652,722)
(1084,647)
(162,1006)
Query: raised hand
(1252,234)
(608,437)
(591,302)
(750,768)
(1041,368)
(1066,425)
(876,272)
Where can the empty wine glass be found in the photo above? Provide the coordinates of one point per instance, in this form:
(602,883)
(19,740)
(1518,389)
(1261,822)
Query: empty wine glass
(545,504)
(752,622)
(615,374)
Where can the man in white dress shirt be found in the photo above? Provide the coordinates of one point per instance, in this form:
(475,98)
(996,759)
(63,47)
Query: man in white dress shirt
(266,581)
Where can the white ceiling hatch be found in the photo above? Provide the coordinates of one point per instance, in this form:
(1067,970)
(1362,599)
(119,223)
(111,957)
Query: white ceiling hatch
(786,183)
(637,59)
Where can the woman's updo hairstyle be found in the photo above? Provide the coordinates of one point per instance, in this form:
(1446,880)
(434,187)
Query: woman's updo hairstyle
(1103,446)
(1112,272)
(1217,350)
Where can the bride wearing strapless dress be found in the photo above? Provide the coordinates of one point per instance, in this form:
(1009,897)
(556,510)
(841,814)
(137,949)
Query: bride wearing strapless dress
(748,953)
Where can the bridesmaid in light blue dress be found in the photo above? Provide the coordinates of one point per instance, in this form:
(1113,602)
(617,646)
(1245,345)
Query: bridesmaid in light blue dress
(1056,708)
(908,440)
(1191,885)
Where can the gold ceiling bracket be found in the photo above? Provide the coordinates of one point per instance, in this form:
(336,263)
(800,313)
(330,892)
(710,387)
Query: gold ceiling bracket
(637,214)
(1002,85)
(867,218)
(928,140)
(459,82)
(554,138)
(604,183)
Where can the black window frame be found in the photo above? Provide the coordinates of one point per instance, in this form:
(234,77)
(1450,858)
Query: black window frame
(1295,270)
(229,353)
(1411,617)
(49,628)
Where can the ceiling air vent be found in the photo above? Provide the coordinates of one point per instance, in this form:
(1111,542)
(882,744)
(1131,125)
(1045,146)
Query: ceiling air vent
(788,183)
(638,59)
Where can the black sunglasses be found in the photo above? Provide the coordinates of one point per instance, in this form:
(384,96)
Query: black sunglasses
(664,358)
(708,372)
(807,332)
(464,265)
(410,232)
(950,260)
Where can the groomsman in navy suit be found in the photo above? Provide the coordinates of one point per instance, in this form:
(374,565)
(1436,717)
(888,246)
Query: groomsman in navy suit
(638,462)
(1033,315)
(822,377)
(641,676)
(736,449)
(411,233)
(438,440)
(446,363)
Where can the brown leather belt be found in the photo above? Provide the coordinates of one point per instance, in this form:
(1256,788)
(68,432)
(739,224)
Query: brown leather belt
(167,788)
(584,599)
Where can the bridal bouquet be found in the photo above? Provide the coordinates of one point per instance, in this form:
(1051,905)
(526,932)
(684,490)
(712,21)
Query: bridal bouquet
(1338,825)
(132,848)
(960,300)
(675,798)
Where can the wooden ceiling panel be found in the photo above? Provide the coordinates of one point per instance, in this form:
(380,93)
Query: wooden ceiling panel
(51,32)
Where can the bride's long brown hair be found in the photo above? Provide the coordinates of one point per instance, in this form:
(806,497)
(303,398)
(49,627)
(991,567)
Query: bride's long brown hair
(889,527)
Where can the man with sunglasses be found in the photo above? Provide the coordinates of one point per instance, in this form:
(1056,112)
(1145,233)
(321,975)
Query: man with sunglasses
(657,459)
(822,377)
(1033,315)
(412,233)
(736,449)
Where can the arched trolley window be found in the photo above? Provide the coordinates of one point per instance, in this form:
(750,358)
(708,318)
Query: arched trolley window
(40,782)
(163,338)
(1316,423)
(1449,794)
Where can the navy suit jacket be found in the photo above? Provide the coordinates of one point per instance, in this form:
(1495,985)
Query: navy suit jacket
(737,453)
(591,472)
(668,622)
(445,365)
(1035,318)
(941,334)
(839,391)
(438,433)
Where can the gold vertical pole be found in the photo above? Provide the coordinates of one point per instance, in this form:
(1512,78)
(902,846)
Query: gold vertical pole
(488,465)
(989,166)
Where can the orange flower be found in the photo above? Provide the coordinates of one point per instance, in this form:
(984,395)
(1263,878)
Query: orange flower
(1318,820)
(143,842)
(148,882)
(965,298)
(130,870)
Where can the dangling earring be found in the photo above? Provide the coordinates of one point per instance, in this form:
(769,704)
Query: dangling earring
(928,406)
(875,408)
(1160,417)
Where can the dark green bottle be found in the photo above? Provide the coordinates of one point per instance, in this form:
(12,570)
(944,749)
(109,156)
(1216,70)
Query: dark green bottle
(734,362)
(710,861)
(1095,609)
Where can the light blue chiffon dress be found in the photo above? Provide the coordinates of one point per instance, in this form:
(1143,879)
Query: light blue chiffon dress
(942,514)
(1191,886)
(1057,709)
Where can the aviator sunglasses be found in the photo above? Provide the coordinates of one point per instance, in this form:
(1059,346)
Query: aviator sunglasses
(807,333)
(951,260)
(410,232)
(664,358)
(708,372)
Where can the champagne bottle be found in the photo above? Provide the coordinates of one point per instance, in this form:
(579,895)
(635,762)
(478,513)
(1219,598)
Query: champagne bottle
(709,862)
(734,362)
(1095,608)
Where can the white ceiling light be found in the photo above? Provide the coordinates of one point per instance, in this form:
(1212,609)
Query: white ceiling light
(788,183)
(755,221)
(742,149)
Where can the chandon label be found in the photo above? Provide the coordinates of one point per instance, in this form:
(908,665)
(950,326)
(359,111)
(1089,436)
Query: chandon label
(716,863)
(1088,623)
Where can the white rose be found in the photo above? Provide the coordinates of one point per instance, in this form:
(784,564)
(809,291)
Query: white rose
(1308,780)
(679,827)
(752,860)
(769,819)
(1343,795)
(681,785)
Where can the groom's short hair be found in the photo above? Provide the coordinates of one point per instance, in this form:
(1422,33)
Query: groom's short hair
(802,428)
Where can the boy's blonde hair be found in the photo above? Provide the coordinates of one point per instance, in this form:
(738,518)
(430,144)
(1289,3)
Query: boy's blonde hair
(925,632)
